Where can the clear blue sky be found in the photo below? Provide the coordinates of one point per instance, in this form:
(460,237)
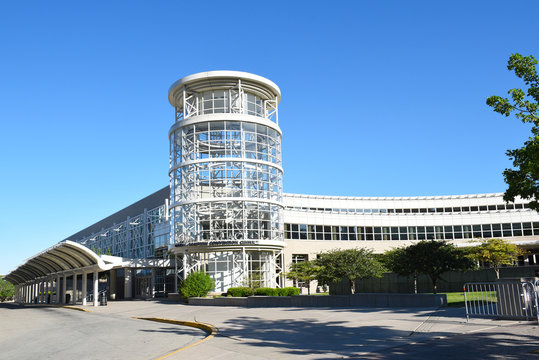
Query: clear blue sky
(379,98)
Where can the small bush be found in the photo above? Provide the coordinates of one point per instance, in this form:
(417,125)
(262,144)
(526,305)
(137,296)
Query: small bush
(288,291)
(239,291)
(197,284)
(267,292)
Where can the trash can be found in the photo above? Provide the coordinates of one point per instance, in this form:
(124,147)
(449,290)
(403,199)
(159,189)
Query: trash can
(103,299)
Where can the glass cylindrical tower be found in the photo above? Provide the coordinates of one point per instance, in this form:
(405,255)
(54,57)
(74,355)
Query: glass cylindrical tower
(226,178)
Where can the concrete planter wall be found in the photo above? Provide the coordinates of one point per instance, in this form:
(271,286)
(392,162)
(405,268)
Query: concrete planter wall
(356,300)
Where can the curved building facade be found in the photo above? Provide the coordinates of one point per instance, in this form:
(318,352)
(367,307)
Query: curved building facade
(226,177)
(225,213)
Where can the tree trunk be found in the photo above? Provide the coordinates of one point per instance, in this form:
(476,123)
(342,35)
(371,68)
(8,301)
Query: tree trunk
(497,271)
(352,286)
(415,283)
(308,288)
(434,289)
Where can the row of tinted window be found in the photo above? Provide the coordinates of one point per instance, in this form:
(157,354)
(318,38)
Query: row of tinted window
(416,210)
(447,232)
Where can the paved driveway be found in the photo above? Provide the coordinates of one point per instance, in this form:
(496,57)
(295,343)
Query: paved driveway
(279,333)
(58,333)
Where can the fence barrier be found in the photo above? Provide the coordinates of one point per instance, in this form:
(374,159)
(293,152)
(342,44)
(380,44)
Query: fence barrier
(502,299)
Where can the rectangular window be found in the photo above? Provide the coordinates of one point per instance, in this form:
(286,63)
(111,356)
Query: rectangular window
(420,233)
(467,231)
(360,233)
(303,232)
(403,233)
(487,233)
(344,233)
(496,230)
(527,228)
(506,230)
(386,235)
(430,232)
(352,233)
(394,233)
(412,233)
(458,231)
(327,232)
(368,233)
(448,232)
(476,231)
(536,228)
(439,232)
(517,229)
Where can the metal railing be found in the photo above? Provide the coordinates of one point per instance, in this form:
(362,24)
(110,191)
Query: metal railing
(502,300)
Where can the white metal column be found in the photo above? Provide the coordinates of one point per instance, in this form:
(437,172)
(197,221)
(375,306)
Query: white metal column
(84,286)
(64,289)
(74,289)
(96,288)
(47,281)
(58,289)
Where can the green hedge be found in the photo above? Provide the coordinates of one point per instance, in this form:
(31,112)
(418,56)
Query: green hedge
(245,291)
(267,291)
(239,291)
(288,291)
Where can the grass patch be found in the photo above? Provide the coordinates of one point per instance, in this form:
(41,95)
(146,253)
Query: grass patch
(456,299)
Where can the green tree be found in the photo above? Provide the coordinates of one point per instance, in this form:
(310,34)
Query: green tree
(495,253)
(304,272)
(7,290)
(351,264)
(196,284)
(398,261)
(523,180)
(434,257)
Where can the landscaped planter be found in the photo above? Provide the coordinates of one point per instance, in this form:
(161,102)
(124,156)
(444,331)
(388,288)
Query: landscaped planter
(356,300)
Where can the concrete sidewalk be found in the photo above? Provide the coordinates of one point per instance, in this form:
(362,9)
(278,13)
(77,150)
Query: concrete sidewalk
(314,333)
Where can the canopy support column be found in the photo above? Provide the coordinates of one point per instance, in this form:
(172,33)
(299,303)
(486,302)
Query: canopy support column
(58,289)
(47,297)
(84,286)
(96,288)
(64,289)
(74,289)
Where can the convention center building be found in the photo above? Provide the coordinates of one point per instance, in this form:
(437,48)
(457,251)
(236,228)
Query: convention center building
(224,211)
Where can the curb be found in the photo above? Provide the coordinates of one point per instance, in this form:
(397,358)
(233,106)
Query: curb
(210,329)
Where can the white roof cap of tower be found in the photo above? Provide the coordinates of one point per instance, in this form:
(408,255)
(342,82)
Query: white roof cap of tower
(224,79)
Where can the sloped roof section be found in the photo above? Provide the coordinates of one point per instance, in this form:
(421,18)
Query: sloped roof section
(66,256)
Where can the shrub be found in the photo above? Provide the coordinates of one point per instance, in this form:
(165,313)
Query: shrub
(239,291)
(288,291)
(196,284)
(267,292)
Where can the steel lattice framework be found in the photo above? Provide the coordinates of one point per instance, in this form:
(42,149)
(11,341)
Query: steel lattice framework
(226,176)
(136,237)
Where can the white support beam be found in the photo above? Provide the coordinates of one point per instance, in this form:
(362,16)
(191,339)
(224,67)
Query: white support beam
(47,281)
(74,300)
(96,288)
(84,287)
(58,289)
(64,289)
